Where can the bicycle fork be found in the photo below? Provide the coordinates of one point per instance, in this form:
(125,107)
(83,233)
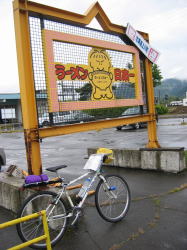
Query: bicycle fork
(110,190)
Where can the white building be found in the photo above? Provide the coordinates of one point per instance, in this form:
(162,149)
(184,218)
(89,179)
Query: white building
(185,101)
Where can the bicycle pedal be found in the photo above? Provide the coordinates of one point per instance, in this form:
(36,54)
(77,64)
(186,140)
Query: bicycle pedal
(77,216)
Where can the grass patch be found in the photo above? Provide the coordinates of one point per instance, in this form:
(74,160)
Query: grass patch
(183,123)
(157,202)
(177,189)
(185,155)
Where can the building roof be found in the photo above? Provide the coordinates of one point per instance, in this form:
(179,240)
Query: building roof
(10,96)
(16,96)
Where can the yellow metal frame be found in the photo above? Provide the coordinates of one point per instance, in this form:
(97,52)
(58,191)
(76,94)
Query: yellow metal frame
(153,141)
(30,242)
(22,8)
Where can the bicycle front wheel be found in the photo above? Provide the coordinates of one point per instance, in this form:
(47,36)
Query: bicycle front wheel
(112,198)
(56,218)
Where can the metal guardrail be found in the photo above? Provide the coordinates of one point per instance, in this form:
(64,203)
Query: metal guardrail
(29,217)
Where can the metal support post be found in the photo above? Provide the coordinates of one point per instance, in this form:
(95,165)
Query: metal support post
(27,89)
(152,134)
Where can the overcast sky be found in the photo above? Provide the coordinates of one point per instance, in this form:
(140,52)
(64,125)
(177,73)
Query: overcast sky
(164,20)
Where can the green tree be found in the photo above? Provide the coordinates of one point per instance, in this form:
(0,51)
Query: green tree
(85,92)
(157,76)
(161,109)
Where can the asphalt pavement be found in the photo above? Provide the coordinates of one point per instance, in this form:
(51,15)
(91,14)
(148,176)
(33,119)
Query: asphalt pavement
(157,218)
(71,149)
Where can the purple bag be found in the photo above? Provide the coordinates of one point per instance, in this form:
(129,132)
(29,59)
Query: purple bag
(36,178)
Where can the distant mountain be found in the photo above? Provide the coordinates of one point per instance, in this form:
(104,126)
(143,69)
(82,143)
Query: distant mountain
(172,87)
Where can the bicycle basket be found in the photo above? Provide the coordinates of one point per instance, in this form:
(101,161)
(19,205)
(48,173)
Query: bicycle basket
(94,162)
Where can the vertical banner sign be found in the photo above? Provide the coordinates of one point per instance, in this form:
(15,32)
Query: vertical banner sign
(141,43)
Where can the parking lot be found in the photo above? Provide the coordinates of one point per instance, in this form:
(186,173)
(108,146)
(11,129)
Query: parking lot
(72,149)
(157,216)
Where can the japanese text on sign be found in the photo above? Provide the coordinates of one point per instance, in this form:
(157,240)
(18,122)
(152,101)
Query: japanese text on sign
(80,73)
(140,42)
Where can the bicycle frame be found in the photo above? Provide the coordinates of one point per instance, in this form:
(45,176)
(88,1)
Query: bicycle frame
(94,173)
(66,192)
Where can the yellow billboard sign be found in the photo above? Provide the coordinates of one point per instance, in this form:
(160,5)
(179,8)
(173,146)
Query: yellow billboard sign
(99,72)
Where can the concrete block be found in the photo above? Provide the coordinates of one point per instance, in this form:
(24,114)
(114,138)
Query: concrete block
(12,195)
(127,158)
(150,160)
(172,161)
(164,159)
(123,157)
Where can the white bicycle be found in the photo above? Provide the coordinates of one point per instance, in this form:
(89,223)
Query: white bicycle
(112,200)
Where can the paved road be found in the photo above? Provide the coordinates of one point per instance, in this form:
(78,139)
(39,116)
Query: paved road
(157,218)
(71,149)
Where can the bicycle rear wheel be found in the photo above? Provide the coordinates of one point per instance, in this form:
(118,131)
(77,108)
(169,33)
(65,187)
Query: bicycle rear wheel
(31,229)
(112,198)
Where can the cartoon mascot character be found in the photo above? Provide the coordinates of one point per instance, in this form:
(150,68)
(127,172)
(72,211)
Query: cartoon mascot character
(100,75)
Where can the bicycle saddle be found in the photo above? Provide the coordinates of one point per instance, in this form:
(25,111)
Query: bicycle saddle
(54,169)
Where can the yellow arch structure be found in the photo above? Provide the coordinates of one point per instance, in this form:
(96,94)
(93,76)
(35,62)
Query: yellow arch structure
(33,134)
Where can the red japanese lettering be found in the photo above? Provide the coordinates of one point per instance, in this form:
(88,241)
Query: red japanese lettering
(117,73)
(84,74)
(68,72)
(60,71)
(125,75)
(131,75)
(122,75)
(75,72)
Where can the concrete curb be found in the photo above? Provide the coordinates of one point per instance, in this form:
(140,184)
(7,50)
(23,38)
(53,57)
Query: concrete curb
(170,160)
(12,195)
